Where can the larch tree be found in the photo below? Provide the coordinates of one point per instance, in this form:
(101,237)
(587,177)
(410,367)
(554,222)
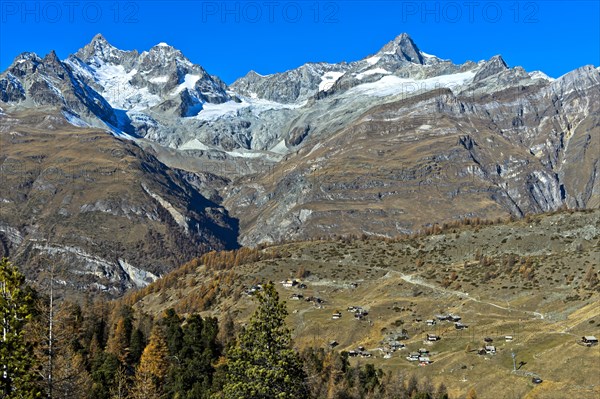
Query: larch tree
(153,368)
(263,363)
(118,343)
(226,335)
(120,386)
(17,361)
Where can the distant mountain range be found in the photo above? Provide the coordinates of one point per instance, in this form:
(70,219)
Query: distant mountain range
(383,145)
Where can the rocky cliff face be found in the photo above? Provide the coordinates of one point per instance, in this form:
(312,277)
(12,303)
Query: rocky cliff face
(382,145)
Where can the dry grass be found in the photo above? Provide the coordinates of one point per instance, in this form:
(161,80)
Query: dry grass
(547,346)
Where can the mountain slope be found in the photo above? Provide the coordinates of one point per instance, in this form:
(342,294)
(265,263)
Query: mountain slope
(382,146)
(503,145)
(535,280)
(107,215)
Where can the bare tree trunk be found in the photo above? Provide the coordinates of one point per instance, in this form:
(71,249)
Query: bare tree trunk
(50,336)
(4,333)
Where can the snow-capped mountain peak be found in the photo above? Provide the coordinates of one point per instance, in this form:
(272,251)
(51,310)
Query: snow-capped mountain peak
(100,50)
(159,77)
(27,56)
(404,48)
(161,95)
(164,48)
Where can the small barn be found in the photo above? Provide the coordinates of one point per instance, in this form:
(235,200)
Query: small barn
(589,340)
(433,337)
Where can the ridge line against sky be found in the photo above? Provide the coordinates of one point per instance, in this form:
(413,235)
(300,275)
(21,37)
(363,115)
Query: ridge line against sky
(230,38)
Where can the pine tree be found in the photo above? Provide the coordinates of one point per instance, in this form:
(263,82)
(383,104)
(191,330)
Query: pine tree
(173,332)
(263,363)
(137,345)
(192,373)
(17,361)
(104,369)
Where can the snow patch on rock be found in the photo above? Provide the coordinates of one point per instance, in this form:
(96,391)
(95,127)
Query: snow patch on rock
(329,79)
(373,71)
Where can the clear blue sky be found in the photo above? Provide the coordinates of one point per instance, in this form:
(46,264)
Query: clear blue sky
(230,38)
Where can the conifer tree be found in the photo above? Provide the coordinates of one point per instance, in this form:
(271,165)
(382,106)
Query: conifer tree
(173,332)
(136,346)
(118,343)
(154,366)
(17,361)
(120,385)
(192,373)
(263,363)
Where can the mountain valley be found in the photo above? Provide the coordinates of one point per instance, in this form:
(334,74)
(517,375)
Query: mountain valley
(387,145)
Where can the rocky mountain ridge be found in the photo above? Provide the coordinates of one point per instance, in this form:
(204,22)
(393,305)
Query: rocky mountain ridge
(382,146)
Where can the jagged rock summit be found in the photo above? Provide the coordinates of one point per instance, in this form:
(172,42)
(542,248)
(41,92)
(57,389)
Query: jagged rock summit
(404,47)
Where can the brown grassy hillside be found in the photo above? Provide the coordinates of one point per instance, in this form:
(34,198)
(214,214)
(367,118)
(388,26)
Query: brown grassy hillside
(535,279)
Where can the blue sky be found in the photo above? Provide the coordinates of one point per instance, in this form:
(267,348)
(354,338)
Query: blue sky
(230,38)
